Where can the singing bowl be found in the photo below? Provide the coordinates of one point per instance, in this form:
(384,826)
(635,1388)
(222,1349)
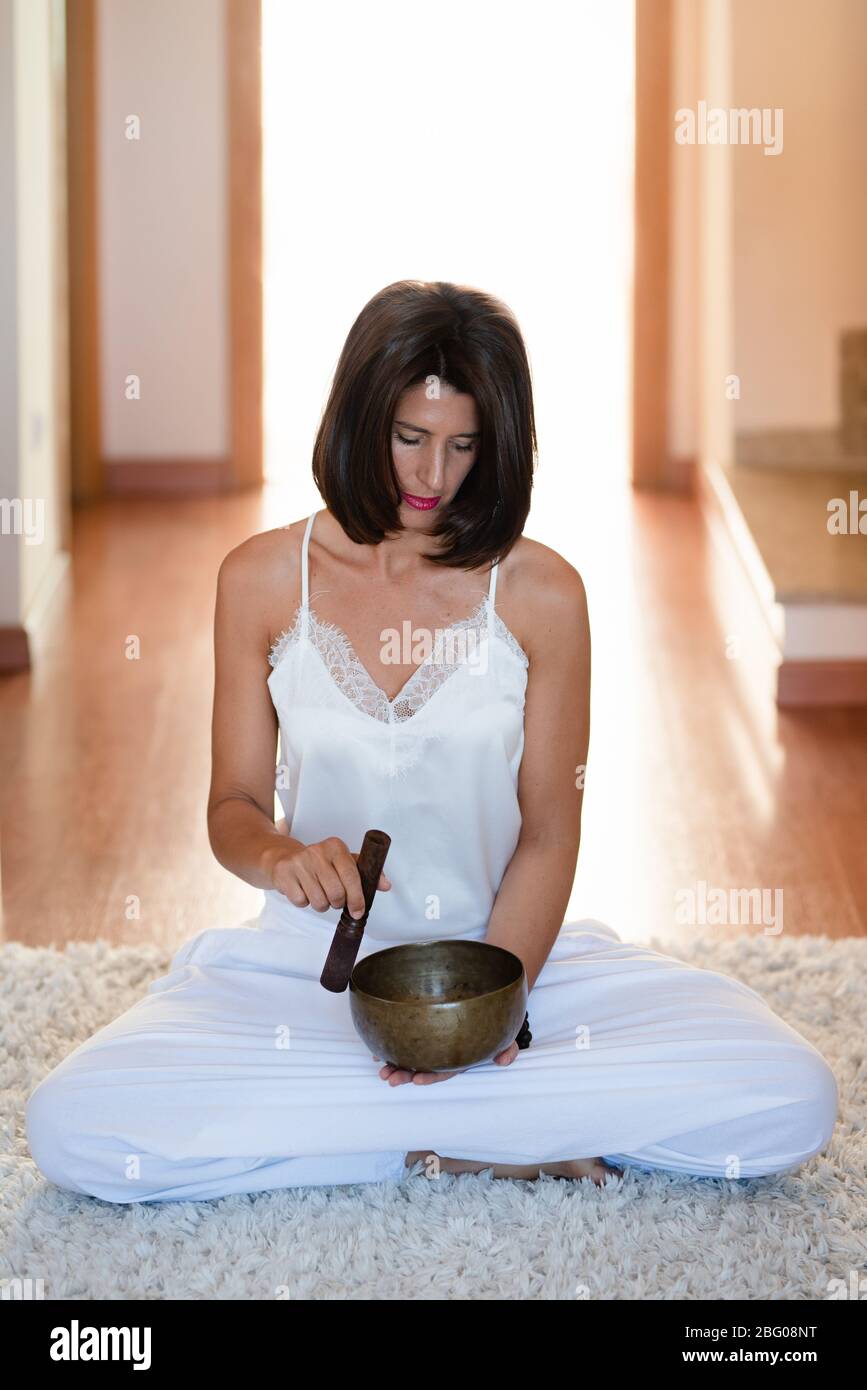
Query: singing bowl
(438,1005)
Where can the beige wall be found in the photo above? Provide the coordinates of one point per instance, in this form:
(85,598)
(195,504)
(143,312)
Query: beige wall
(29,230)
(163,275)
(37,233)
(768,251)
(162,258)
(800,219)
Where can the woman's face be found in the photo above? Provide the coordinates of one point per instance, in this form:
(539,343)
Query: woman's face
(434,444)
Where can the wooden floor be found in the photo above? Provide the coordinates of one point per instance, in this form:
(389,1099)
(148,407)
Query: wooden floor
(694,776)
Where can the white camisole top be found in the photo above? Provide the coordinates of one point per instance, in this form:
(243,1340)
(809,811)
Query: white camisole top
(436,767)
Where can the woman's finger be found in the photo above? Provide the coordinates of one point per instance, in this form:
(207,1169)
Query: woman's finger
(395,1076)
(293,890)
(333,885)
(309,881)
(345,865)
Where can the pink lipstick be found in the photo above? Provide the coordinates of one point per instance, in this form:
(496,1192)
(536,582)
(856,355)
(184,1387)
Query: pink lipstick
(421,504)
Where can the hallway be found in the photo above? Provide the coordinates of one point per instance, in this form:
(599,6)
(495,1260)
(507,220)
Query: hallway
(104,761)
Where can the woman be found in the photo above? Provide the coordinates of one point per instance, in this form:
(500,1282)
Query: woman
(238,1072)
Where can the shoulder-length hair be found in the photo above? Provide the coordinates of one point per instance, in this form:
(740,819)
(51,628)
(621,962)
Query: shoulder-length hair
(409,332)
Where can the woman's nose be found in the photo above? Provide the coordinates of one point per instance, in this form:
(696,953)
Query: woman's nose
(435,470)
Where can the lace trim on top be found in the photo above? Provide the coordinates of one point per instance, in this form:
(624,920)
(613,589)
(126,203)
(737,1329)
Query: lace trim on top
(449,654)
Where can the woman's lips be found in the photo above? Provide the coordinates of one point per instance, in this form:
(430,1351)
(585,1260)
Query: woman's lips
(421,504)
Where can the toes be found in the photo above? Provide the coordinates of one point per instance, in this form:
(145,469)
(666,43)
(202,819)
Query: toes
(603,1171)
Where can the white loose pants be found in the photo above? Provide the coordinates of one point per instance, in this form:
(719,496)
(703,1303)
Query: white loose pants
(238,1072)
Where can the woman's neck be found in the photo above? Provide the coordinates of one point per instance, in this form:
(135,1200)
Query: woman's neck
(391,561)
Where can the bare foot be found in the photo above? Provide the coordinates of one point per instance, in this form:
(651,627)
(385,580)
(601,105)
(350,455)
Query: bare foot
(593,1168)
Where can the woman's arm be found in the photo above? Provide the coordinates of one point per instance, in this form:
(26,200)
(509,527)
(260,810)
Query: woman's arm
(530,905)
(241,825)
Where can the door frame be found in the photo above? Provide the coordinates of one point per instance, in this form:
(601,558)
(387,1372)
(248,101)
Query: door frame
(650,464)
(92,476)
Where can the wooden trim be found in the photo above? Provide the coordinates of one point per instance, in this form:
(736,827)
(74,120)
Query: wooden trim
(718,500)
(244,87)
(83,257)
(804,684)
(60,270)
(683,473)
(89,472)
(650,333)
(14,649)
(191,477)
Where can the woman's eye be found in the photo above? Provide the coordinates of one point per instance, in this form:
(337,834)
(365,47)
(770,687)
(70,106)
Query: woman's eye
(461,448)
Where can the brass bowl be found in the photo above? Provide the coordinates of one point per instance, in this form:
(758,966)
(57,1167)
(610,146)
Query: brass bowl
(438,1005)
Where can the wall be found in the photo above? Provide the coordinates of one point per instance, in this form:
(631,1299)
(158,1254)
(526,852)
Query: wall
(800,223)
(37,230)
(30,243)
(163,228)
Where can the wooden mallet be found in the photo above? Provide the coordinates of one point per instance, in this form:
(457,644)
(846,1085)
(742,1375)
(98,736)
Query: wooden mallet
(349,930)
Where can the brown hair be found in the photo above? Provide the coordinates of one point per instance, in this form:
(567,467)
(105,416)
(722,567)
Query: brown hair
(408,332)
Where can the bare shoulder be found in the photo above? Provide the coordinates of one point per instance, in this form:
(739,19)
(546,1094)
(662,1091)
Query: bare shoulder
(259,581)
(267,555)
(264,559)
(546,595)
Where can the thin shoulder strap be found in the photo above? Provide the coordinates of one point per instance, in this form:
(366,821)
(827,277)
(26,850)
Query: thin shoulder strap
(305,573)
(492,589)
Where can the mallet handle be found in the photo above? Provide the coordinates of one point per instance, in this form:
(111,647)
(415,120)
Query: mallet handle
(349,930)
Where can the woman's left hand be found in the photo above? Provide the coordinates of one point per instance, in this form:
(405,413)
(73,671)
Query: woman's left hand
(395,1076)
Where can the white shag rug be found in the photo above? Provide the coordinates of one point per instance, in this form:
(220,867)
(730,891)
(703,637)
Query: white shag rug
(647,1236)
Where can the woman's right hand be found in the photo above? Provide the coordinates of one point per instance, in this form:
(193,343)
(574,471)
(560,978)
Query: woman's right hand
(321,876)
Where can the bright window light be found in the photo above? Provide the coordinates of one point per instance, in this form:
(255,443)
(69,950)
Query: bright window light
(485,143)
